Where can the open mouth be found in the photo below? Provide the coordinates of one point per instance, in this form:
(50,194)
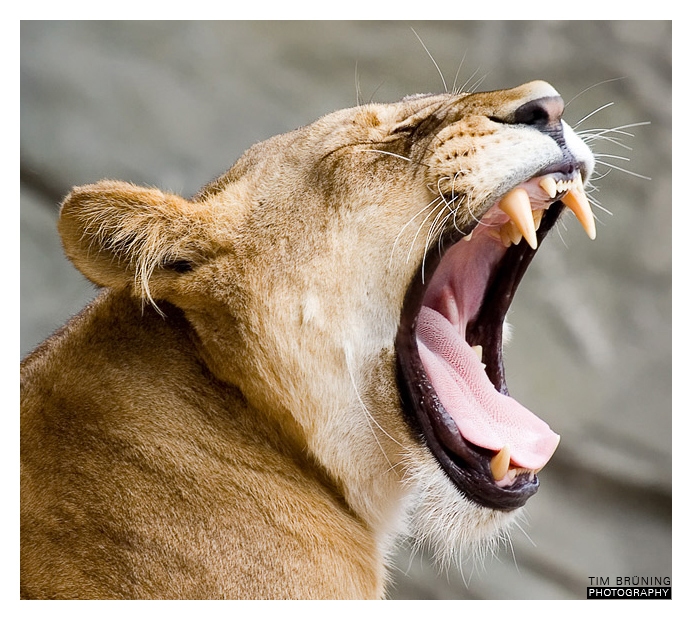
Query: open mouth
(449,345)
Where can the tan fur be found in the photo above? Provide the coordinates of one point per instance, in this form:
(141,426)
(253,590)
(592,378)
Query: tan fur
(223,421)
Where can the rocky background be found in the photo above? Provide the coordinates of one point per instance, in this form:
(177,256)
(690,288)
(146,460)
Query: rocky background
(173,104)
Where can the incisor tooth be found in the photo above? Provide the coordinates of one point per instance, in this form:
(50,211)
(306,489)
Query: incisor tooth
(505,235)
(499,464)
(538,217)
(517,205)
(512,232)
(549,186)
(576,201)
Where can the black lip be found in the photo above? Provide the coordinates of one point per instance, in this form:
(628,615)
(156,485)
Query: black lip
(466,464)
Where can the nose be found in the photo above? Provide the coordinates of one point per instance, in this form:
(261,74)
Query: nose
(543,113)
(536,104)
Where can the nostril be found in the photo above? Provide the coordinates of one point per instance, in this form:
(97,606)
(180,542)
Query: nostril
(540,112)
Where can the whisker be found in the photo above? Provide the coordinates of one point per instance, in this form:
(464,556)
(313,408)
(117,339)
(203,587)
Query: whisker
(508,540)
(443,225)
(444,83)
(375,91)
(357,85)
(634,174)
(601,175)
(369,417)
(456,75)
(523,531)
(559,233)
(588,139)
(419,229)
(590,114)
(391,257)
(388,153)
(456,209)
(597,155)
(462,88)
(593,86)
(616,129)
(468,208)
(595,202)
(430,236)
(478,82)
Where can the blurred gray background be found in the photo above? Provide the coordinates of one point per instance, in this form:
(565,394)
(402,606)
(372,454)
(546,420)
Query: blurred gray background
(174,104)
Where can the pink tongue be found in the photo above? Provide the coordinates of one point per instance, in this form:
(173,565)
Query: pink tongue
(484,417)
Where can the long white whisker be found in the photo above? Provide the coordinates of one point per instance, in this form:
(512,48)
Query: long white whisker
(523,531)
(430,236)
(420,227)
(443,225)
(590,114)
(593,86)
(369,417)
(478,82)
(588,139)
(598,131)
(406,225)
(595,202)
(374,92)
(386,153)
(444,83)
(456,75)
(461,198)
(463,86)
(597,155)
(432,233)
(468,208)
(357,85)
(634,174)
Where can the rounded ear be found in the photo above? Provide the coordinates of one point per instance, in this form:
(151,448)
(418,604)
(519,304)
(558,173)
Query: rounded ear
(118,234)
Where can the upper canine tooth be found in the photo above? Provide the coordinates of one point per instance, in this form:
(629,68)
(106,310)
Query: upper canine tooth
(499,464)
(549,186)
(576,201)
(517,205)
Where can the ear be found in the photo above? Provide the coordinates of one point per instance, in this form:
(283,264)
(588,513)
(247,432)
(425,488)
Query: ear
(118,234)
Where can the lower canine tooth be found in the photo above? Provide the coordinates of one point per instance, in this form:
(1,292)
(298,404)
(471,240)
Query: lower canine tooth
(499,464)
(478,350)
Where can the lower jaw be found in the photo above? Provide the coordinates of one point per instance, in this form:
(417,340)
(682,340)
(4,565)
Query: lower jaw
(466,465)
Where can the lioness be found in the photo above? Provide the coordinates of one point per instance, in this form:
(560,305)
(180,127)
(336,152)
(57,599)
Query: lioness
(285,372)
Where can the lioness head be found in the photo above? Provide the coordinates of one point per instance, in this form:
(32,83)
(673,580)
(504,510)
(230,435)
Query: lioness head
(351,278)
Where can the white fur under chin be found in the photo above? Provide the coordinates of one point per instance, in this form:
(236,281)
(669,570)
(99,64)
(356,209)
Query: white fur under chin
(441,518)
